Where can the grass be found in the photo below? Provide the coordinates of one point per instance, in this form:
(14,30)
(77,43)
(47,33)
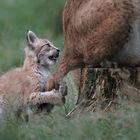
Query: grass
(120,124)
(123,124)
(44,18)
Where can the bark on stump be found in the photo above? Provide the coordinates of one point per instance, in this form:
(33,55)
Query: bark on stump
(100,88)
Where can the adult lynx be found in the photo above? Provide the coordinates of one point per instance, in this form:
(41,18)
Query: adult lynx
(27,84)
(98,30)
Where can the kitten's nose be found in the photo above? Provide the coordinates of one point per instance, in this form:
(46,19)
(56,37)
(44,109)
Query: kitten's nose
(57,53)
(58,50)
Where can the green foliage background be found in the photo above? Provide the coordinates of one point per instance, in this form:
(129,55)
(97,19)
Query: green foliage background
(44,17)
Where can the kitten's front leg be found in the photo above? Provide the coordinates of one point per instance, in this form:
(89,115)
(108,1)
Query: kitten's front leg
(54,97)
(51,97)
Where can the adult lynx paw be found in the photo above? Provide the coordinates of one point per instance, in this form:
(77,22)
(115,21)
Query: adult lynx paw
(63,88)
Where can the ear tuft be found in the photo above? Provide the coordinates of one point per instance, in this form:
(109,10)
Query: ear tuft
(32,38)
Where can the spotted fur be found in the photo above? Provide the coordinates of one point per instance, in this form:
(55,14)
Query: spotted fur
(26,85)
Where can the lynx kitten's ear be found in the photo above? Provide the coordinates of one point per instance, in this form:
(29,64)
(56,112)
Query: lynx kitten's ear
(32,39)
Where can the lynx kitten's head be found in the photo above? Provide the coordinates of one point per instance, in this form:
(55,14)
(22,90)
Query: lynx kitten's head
(41,50)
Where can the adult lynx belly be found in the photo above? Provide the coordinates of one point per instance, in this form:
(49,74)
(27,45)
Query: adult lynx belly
(130,54)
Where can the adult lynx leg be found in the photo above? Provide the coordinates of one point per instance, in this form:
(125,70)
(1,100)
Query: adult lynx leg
(63,69)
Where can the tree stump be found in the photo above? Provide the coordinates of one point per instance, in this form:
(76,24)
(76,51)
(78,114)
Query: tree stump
(101,87)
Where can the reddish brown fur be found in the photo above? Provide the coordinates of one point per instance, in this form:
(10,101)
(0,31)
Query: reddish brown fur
(94,30)
(76,74)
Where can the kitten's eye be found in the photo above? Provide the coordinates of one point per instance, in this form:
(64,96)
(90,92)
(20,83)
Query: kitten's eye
(49,45)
